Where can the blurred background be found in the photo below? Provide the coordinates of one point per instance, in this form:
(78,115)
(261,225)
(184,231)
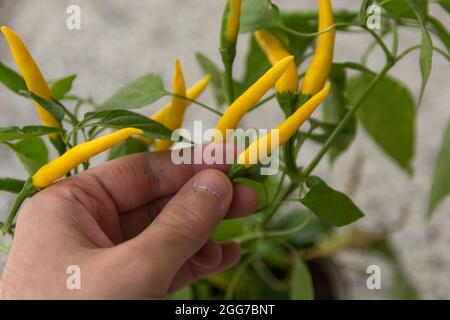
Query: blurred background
(120,40)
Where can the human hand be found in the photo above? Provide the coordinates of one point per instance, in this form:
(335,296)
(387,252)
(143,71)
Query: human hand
(139,227)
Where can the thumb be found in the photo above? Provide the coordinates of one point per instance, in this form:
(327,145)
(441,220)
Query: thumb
(187,221)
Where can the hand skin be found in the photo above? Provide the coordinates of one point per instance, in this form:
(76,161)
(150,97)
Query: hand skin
(139,227)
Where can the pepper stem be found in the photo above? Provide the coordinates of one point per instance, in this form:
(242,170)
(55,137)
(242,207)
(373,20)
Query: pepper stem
(27,191)
(229,82)
(59,144)
(235,171)
(228,54)
(288,103)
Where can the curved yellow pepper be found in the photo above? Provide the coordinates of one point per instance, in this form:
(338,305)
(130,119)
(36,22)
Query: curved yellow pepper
(321,63)
(285,131)
(275,51)
(232,26)
(249,98)
(175,115)
(32,75)
(192,93)
(59,167)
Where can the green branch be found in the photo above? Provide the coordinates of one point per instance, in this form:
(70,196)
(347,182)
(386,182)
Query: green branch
(238,274)
(197,103)
(318,33)
(274,233)
(381,42)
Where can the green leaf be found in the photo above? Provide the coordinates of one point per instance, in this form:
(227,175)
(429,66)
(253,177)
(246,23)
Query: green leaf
(11,185)
(335,108)
(445,4)
(11,79)
(16,133)
(182,294)
(209,67)
(441,31)
(402,9)
(330,206)
(129,146)
(139,93)
(426,50)
(119,119)
(301,282)
(228,229)
(32,153)
(258,14)
(388,115)
(440,187)
(53,107)
(62,86)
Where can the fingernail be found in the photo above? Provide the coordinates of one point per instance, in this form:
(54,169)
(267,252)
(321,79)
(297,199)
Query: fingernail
(212,182)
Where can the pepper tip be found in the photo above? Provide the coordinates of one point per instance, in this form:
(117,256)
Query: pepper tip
(286,61)
(289,58)
(4,29)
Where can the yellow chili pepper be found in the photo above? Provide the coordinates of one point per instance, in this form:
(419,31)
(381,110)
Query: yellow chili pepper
(175,116)
(249,98)
(275,51)
(192,93)
(232,22)
(228,38)
(59,167)
(285,131)
(32,75)
(321,63)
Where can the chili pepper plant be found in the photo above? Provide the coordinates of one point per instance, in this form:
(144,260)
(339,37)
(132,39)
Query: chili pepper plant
(291,65)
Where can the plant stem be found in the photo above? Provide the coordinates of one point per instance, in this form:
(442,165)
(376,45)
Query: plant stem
(368,52)
(280,186)
(197,103)
(395,39)
(239,272)
(301,141)
(411,49)
(274,233)
(229,81)
(380,41)
(314,34)
(346,119)
(354,66)
(277,203)
(27,191)
(263,271)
